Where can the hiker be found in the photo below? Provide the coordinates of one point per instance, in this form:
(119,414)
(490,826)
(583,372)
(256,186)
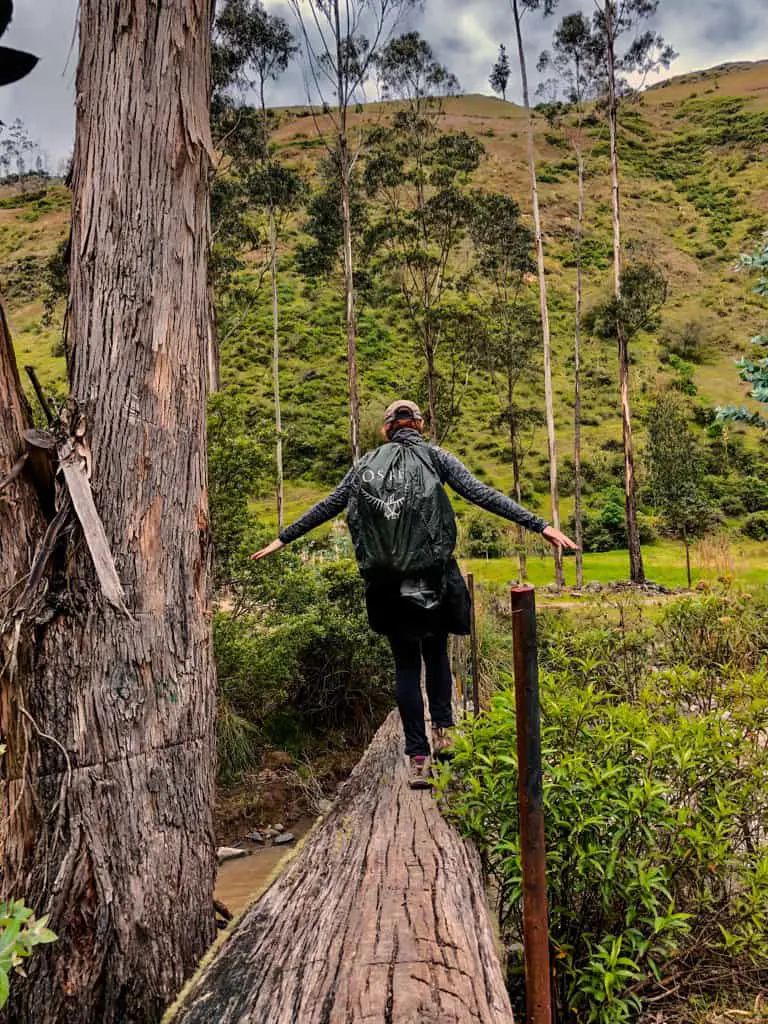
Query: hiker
(404,533)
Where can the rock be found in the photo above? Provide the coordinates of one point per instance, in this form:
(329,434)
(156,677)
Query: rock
(324,806)
(225,853)
(283,837)
(278,828)
(255,837)
(594,587)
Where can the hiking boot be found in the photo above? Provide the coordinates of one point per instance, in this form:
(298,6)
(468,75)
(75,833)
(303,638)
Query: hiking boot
(442,744)
(418,776)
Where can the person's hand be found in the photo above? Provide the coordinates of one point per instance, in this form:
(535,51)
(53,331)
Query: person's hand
(268,550)
(558,539)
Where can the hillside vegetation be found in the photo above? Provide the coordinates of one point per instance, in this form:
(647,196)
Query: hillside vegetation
(695,193)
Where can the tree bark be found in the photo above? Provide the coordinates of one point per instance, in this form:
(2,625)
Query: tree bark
(22,524)
(276,368)
(381,917)
(429,352)
(545,332)
(577,381)
(345,171)
(516,481)
(687,543)
(636,570)
(123,858)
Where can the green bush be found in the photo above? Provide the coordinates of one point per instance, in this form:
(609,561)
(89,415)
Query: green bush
(754,493)
(298,666)
(482,536)
(756,526)
(657,869)
(604,525)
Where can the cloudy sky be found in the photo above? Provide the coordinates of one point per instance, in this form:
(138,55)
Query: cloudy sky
(465,35)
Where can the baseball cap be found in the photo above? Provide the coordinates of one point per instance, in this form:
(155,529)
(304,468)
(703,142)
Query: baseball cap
(402,410)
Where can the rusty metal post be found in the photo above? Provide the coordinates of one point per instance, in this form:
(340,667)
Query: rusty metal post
(530,795)
(473,643)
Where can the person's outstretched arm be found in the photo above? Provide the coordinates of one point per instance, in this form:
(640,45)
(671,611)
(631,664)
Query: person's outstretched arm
(458,477)
(320,513)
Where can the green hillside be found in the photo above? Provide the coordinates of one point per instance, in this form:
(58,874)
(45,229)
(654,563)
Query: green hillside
(695,195)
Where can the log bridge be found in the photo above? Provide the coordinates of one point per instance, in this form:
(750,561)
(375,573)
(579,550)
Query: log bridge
(380,918)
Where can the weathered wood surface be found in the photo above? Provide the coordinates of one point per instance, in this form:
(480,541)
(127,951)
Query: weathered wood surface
(118,788)
(380,919)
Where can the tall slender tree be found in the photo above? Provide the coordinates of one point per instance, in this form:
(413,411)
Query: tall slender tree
(108,702)
(519,9)
(512,335)
(415,172)
(614,19)
(572,58)
(675,466)
(260,47)
(499,79)
(341,42)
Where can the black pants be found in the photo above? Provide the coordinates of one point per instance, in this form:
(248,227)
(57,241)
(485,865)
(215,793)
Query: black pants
(408,653)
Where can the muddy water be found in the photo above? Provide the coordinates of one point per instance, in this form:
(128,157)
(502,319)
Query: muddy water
(238,881)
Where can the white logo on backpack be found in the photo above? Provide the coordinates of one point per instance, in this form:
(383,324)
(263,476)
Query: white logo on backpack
(391,508)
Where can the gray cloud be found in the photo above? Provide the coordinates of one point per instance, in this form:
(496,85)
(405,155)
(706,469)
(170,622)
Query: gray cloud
(465,35)
(44,100)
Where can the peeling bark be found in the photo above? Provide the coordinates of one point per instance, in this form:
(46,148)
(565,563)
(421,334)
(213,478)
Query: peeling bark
(124,707)
(380,918)
(543,303)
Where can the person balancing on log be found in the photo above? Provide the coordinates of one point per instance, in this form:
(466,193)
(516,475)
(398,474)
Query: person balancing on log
(404,533)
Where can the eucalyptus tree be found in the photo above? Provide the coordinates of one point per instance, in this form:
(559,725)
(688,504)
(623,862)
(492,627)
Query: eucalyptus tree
(675,468)
(255,48)
(519,9)
(415,172)
(499,79)
(106,661)
(754,371)
(341,43)
(572,59)
(510,343)
(646,52)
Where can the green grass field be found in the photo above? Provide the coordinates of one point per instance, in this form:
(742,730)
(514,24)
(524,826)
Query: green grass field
(743,561)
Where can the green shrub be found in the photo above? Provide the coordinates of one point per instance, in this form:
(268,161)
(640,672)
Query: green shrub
(482,536)
(298,666)
(754,493)
(656,864)
(756,526)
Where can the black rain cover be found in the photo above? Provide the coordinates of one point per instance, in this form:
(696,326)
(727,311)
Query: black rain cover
(399,515)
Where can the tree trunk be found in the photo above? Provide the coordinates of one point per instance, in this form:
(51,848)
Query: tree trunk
(546,340)
(687,557)
(636,571)
(123,858)
(22,524)
(516,481)
(276,368)
(381,917)
(351,315)
(577,381)
(345,172)
(429,352)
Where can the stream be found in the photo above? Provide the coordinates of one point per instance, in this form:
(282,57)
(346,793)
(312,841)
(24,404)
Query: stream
(237,881)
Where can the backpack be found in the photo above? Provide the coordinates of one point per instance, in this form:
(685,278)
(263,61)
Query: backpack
(399,515)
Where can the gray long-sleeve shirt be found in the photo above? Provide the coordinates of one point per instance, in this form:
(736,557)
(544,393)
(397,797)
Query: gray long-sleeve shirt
(452,472)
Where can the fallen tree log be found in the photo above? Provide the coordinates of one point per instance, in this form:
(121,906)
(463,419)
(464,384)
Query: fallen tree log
(380,918)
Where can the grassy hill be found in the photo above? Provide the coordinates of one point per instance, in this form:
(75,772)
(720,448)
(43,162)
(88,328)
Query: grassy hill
(695,195)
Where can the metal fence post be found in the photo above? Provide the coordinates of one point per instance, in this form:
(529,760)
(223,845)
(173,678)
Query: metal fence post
(530,795)
(473,643)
